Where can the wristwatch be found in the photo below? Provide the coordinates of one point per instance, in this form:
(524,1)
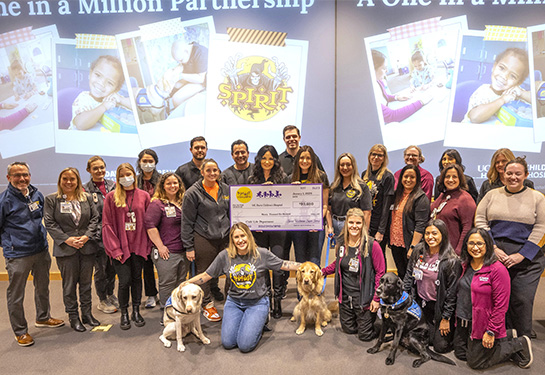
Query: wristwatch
(490,333)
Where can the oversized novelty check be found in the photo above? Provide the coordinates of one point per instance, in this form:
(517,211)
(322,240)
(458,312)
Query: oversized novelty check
(277,207)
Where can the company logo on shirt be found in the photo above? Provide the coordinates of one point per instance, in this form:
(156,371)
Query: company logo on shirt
(255,87)
(351,193)
(243,275)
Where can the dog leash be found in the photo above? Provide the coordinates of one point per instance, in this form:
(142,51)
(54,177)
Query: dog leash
(330,242)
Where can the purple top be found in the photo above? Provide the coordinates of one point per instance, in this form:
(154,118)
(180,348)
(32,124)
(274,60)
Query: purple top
(426,179)
(170,228)
(490,292)
(11,121)
(400,114)
(457,213)
(429,266)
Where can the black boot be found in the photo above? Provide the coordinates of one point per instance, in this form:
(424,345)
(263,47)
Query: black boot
(76,324)
(277,308)
(125,323)
(89,319)
(136,317)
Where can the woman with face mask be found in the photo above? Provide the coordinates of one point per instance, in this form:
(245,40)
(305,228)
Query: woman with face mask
(147,179)
(126,241)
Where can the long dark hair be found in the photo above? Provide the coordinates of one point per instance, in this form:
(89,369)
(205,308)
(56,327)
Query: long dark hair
(489,256)
(277,173)
(453,154)
(400,189)
(461,177)
(446,250)
(314,176)
(147,151)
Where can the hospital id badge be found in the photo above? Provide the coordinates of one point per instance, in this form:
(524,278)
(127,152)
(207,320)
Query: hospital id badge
(170,211)
(418,274)
(66,208)
(354,265)
(129,227)
(33,206)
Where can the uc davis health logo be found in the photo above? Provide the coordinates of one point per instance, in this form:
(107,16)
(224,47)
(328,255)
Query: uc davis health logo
(255,87)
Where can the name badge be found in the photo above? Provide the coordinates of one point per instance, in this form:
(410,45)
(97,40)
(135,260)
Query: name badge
(354,265)
(129,227)
(131,216)
(95,197)
(418,274)
(33,206)
(66,208)
(170,211)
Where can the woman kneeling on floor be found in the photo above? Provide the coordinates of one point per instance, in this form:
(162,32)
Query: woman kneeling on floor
(247,308)
(358,268)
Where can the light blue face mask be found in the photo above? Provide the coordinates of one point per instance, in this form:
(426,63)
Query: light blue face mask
(126,181)
(147,167)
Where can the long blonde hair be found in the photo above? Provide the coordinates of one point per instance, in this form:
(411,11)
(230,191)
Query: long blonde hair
(120,196)
(383,168)
(355,179)
(79,193)
(362,248)
(493,174)
(160,192)
(252,247)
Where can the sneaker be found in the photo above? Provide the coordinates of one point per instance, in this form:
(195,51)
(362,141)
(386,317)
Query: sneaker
(49,323)
(113,300)
(106,307)
(217,294)
(210,313)
(24,340)
(524,357)
(151,302)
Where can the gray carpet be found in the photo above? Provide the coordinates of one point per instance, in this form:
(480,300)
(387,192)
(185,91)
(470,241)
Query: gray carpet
(139,351)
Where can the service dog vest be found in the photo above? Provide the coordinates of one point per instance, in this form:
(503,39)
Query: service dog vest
(414,309)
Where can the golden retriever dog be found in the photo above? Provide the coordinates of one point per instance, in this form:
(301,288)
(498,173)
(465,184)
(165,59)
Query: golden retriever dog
(312,307)
(183,315)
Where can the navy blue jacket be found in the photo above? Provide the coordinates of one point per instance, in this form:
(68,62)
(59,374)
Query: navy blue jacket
(21,230)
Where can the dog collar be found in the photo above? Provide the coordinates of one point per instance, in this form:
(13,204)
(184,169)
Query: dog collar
(403,298)
(169,304)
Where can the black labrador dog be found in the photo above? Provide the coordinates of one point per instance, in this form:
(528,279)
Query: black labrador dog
(404,318)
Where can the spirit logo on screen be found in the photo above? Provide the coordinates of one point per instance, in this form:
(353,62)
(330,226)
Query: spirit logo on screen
(255,87)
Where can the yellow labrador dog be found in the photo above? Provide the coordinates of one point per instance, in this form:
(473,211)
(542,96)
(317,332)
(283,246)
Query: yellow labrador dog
(312,307)
(183,315)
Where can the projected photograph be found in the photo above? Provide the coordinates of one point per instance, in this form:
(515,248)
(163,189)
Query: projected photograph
(536,39)
(92,107)
(492,105)
(26,93)
(412,67)
(254,90)
(166,65)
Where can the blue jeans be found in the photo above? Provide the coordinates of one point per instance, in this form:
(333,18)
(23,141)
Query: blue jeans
(306,247)
(243,322)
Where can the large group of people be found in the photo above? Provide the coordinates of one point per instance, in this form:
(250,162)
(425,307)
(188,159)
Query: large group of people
(472,260)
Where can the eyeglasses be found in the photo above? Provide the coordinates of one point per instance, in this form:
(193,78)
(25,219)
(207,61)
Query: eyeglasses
(375,155)
(478,244)
(19,175)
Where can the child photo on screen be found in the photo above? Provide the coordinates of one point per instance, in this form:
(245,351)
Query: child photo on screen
(510,69)
(105,81)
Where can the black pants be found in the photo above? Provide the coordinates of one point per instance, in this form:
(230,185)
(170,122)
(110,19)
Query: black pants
(130,280)
(524,281)
(77,273)
(480,358)
(205,253)
(104,275)
(274,241)
(461,335)
(355,320)
(150,287)
(440,343)
(400,258)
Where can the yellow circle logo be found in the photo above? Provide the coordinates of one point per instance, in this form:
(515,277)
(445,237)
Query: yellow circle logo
(244,195)
(351,193)
(255,87)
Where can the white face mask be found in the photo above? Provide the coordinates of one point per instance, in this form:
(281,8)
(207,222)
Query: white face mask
(147,167)
(126,181)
